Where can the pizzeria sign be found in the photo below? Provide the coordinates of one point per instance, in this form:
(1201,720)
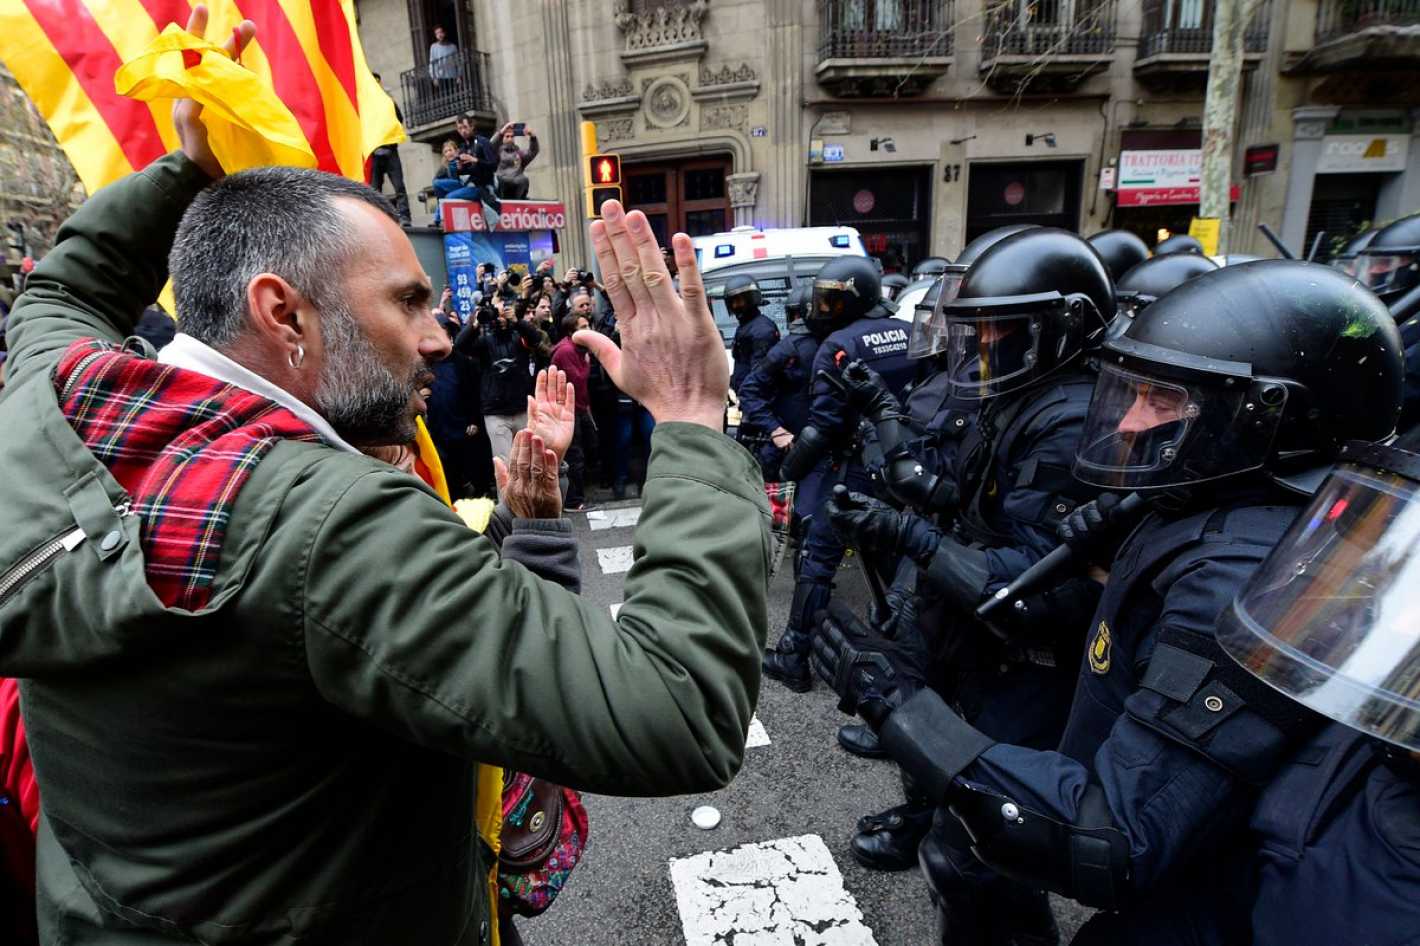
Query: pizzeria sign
(1161,177)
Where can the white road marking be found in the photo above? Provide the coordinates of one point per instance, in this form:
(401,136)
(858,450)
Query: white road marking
(615,610)
(599,519)
(756,736)
(614,561)
(786,892)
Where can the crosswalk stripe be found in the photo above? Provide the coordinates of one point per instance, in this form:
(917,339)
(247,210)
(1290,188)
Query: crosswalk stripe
(756,736)
(784,891)
(615,560)
(599,519)
(615,610)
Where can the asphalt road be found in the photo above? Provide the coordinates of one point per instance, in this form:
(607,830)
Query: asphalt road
(777,868)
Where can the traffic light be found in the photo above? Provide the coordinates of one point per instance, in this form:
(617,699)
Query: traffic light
(603,181)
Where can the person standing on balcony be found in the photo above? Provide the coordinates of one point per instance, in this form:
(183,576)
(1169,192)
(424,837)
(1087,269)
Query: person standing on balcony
(443,59)
(384,162)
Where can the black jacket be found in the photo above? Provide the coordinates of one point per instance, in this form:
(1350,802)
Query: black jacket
(504,355)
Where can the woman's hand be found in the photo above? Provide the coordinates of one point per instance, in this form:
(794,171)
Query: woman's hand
(528,481)
(552,411)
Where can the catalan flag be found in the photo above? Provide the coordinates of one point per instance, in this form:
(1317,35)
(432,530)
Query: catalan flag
(66,55)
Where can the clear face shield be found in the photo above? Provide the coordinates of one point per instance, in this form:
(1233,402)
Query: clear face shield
(990,356)
(929,323)
(740,302)
(1383,272)
(1332,618)
(1148,430)
(833,300)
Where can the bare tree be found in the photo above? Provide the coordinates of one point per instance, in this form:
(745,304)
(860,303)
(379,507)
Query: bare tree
(1220,111)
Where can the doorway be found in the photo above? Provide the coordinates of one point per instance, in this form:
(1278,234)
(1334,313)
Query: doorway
(688,197)
(1045,193)
(1342,206)
(891,208)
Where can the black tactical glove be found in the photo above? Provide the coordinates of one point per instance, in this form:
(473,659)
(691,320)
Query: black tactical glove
(871,675)
(866,392)
(1091,528)
(874,527)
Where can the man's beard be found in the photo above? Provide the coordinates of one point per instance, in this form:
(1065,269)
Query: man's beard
(359,395)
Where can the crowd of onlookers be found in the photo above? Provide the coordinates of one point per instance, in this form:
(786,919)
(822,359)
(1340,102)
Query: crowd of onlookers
(518,325)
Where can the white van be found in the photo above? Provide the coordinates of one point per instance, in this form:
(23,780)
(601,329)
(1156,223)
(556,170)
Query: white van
(775,259)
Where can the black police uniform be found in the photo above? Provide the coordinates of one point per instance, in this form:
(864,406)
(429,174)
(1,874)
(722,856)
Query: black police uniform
(753,340)
(776,393)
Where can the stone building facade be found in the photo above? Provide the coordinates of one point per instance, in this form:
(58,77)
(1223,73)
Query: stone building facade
(920,122)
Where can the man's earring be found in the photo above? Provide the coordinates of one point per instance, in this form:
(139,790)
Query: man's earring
(296,358)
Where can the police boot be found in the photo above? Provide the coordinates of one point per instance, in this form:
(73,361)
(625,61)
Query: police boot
(861,741)
(889,840)
(1019,916)
(960,920)
(788,661)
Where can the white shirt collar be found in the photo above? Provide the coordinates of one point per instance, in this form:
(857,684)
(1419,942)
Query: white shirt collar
(186,352)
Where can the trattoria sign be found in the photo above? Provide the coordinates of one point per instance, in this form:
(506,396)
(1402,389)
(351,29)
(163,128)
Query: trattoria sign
(1161,177)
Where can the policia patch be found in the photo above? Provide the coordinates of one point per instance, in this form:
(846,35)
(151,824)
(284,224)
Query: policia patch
(1099,650)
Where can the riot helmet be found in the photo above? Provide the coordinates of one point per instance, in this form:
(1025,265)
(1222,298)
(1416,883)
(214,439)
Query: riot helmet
(1156,276)
(1028,306)
(1271,365)
(1332,617)
(892,284)
(1179,243)
(846,288)
(742,297)
(929,267)
(1390,265)
(1120,250)
(1346,259)
(797,302)
(929,326)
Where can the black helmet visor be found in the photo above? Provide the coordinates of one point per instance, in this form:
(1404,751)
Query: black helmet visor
(834,302)
(1149,428)
(995,345)
(1332,618)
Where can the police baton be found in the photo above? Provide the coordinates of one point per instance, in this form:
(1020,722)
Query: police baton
(1406,306)
(1056,563)
(870,574)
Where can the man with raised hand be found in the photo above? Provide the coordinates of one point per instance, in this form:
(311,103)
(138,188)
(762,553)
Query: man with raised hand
(259,666)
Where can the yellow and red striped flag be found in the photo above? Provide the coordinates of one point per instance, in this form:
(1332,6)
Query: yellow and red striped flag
(66,53)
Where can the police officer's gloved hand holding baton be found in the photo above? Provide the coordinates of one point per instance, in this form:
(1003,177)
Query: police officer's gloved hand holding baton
(874,527)
(1092,529)
(865,391)
(871,674)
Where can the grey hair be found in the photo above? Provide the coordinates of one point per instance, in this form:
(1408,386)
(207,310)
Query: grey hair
(276,220)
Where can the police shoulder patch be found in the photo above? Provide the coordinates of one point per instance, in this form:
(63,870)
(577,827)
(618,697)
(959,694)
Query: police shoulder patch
(1099,649)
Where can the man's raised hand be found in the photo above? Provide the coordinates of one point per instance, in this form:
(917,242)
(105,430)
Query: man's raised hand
(672,358)
(187,113)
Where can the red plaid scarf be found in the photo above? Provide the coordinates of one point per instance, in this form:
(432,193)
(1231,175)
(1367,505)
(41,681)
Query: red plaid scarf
(182,445)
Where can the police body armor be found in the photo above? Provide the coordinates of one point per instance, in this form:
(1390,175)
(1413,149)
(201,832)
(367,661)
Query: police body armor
(1120,640)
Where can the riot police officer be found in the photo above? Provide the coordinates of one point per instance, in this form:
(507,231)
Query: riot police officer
(847,307)
(1346,259)
(1390,266)
(1215,406)
(893,283)
(1331,853)
(1120,250)
(1018,329)
(774,397)
(1152,279)
(755,335)
(1178,243)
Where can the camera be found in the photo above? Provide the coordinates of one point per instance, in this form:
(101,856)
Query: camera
(486,315)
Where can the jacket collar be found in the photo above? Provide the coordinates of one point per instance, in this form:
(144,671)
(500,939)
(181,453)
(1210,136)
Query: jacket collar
(184,351)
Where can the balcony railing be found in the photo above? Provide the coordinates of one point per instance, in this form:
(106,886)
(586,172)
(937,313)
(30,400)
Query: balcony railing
(1049,28)
(884,29)
(452,86)
(1186,26)
(1337,18)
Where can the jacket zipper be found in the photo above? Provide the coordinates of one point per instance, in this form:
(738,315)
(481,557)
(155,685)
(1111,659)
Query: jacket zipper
(32,564)
(74,377)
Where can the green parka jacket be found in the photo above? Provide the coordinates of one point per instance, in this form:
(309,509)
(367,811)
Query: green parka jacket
(294,764)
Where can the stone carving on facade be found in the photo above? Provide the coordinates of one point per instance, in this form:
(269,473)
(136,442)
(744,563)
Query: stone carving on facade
(665,31)
(608,89)
(744,188)
(726,75)
(666,101)
(616,129)
(720,117)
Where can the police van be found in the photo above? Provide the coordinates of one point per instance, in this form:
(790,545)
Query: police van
(775,259)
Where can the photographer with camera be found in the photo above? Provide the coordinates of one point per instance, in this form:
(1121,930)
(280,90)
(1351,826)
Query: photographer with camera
(502,346)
